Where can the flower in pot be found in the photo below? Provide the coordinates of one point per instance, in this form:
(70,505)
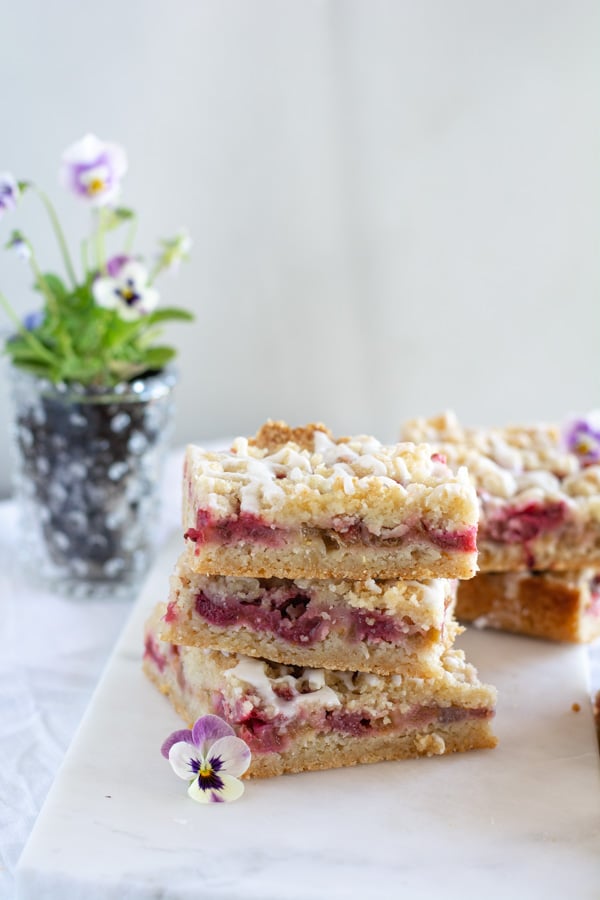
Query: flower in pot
(92,386)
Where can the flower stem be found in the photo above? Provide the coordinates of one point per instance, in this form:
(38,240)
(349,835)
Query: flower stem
(27,335)
(84,257)
(131,236)
(100,242)
(59,235)
(49,296)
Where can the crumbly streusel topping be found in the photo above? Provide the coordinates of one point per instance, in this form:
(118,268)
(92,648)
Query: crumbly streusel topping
(354,477)
(517,464)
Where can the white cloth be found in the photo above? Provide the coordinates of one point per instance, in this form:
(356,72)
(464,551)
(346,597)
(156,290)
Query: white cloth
(54,653)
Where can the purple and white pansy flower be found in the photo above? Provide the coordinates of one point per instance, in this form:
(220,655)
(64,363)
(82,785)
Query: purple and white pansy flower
(93,169)
(125,288)
(211,758)
(19,245)
(9,192)
(582,437)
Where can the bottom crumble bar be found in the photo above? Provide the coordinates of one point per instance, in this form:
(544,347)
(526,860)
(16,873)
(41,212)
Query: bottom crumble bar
(553,605)
(297,719)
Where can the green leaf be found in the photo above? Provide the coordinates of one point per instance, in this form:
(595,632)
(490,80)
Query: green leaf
(56,286)
(168,313)
(157,357)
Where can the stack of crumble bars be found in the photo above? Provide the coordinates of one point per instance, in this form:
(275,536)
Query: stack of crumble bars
(539,530)
(312,607)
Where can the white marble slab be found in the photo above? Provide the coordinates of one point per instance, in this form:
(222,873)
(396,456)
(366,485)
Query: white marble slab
(520,821)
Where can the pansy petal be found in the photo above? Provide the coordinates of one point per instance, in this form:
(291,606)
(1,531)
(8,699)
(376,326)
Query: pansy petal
(181,756)
(231,790)
(134,271)
(149,301)
(105,292)
(209,729)
(233,754)
(184,734)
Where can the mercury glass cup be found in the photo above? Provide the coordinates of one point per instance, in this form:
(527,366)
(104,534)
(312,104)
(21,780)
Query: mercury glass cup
(87,470)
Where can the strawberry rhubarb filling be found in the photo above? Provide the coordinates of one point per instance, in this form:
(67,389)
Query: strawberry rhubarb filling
(344,531)
(521,524)
(296,617)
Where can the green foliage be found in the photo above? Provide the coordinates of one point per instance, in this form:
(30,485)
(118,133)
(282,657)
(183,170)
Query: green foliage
(79,341)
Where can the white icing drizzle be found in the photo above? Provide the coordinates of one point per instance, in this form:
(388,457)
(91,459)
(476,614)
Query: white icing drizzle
(252,672)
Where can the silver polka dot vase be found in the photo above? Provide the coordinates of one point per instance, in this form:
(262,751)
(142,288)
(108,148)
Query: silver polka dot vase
(88,465)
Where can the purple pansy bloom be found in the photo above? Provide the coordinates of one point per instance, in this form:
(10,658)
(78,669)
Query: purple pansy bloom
(93,169)
(125,288)
(211,758)
(583,438)
(19,245)
(9,192)
(33,320)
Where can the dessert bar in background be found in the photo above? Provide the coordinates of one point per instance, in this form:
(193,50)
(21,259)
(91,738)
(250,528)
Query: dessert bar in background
(540,499)
(539,533)
(561,606)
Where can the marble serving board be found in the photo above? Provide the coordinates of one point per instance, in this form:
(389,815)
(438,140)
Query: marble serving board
(519,821)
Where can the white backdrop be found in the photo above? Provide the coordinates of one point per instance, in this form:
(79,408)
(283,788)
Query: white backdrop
(394,204)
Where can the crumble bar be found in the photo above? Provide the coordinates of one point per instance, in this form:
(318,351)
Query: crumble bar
(561,606)
(314,507)
(384,627)
(540,503)
(297,719)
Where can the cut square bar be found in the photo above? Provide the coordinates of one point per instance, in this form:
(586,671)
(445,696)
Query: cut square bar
(295,503)
(371,626)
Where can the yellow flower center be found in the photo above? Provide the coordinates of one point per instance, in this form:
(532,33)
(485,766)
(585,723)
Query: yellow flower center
(584,445)
(206,770)
(95,186)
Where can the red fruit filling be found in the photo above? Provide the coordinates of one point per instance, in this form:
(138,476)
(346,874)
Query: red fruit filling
(521,524)
(272,735)
(464,541)
(152,652)
(291,615)
(171,613)
(249,528)
(242,529)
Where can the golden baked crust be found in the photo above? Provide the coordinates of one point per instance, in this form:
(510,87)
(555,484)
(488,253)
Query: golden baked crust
(273,435)
(552,605)
(312,556)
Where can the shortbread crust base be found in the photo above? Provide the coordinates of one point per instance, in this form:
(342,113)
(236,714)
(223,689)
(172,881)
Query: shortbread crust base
(546,604)
(310,558)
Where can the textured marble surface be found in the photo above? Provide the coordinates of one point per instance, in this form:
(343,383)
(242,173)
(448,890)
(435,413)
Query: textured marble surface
(522,820)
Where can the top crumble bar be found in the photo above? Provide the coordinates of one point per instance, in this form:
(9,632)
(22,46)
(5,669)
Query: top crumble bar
(297,503)
(540,500)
